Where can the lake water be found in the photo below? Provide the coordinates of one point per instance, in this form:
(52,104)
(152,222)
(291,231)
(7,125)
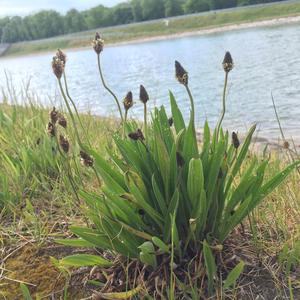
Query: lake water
(266,60)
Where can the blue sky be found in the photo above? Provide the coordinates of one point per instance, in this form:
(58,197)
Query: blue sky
(25,7)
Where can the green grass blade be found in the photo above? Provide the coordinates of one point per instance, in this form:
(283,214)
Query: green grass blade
(210,265)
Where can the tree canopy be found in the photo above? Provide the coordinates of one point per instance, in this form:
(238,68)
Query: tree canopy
(49,23)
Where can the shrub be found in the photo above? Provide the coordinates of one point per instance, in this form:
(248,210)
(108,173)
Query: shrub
(166,193)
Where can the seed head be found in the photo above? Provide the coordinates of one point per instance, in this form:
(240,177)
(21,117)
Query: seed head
(144,97)
(86,159)
(98,43)
(64,144)
(58,67)
(286,145)
(181,74)
(180,160)
(51,129)
(141,212)
(62,56)
(62,121)
(235,140)
(54,115)
(228,62)
(137,135)
(128,102)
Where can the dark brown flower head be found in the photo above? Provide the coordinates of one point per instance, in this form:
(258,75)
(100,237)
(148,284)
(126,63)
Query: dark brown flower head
(181,73)
(235,140)
(64,144)
(62,121)
(220,175)
(144,97)
(51,129)
(170,121)
(227,62)
(62,56)
(58,67)
(128,102)
(98,43)
(54,115)
(286,145)
(86,159)
(180,160)
(141,212)
(137,135)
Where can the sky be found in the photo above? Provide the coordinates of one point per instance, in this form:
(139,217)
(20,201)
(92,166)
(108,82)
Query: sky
(25,7)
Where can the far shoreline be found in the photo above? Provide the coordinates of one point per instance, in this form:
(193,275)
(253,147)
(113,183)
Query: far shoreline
(269,22)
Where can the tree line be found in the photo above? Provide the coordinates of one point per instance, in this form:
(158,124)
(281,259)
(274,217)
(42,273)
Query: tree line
(49,23)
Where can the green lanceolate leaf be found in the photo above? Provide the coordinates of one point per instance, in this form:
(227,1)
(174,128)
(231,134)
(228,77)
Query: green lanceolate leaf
(172,209)
(240,158)
(176,114)
(160,244)
(159,197)
(216,161)
(210,265)
(107,172)
(83,260)
(25,292)
(147,254)
(233,276)
(269,186)
(190,147)
(92,236)
(74,242)
(121,295)
(141,202)
(195,181)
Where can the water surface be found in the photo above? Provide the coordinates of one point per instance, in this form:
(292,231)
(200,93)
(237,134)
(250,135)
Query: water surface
(266,60)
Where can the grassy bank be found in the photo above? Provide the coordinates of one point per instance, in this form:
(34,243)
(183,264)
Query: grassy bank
(158,28)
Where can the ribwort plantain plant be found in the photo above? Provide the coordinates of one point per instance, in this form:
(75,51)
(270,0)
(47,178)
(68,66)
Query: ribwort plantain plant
(165,194)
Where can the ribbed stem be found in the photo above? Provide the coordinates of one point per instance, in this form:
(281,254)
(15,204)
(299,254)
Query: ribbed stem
(75,109)
(224,106)
(108,89)
(125,122)
(145,122)
(71,114)
(192,102)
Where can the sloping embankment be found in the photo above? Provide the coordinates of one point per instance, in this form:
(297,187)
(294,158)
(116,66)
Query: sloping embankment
(3,48)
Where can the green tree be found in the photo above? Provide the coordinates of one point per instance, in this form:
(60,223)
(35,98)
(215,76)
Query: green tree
(173,8)
(153,9)
(137,11)
(97,17)
(47,23)
(194,6)
(122,13)
(3,22)
(14,31)
(74,21)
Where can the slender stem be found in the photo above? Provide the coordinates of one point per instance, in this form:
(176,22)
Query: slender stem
(145,122)
(71,114)
(289,151)
(75,108)
(125,122)
(192,102)
(224,106)
(108,89)
(65,162)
